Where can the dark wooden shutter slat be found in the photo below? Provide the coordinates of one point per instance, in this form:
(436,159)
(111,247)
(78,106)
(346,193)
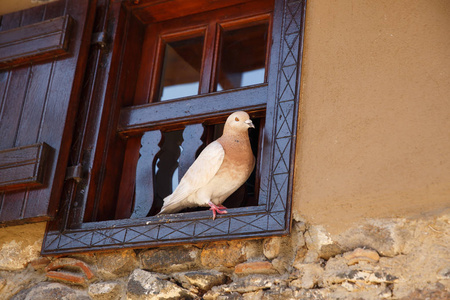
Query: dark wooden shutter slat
(11,20)
(23,166)
(34,104)
(36,42)
(9,206)
(13,99)
(32,15)
(54,9)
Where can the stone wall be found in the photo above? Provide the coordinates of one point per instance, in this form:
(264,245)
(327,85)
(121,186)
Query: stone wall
(378,259)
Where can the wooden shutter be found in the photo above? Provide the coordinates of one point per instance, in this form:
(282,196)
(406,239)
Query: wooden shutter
(42,60)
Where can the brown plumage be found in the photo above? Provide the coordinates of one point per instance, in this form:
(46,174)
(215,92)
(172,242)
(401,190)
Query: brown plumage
(220,169)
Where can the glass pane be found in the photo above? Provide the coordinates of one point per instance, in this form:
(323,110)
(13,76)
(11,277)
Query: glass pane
(182,62)
(243,57)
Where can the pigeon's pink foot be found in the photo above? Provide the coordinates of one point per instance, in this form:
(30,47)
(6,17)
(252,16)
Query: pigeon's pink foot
(220,209)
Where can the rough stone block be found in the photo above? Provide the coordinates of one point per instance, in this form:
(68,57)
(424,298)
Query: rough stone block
(271,247)
(317,238)
(364,290)
(337,271)
(382,277)
(361,255)
(292,293)
(444,273)
(147,285)
(51,291)
(252,249)
(2,283)
(387,237)
(105,291)
(255,267)
(115,264)
(229,296)
(251,283)
(437,292)
(223,255)
(310,276)
(300,256)
(168,260)
(15,255)
(201,280)
(253,295)
(334,270)
(298,238)
(282,264)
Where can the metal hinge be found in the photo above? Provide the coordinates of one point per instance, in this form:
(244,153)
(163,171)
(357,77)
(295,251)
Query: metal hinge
(74,172)
(99,38)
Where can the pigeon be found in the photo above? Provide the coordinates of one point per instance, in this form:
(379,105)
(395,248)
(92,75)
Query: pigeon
(220,169)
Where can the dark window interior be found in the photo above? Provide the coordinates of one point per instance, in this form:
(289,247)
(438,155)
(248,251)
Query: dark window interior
(180,58)
(181,67)
(242,59)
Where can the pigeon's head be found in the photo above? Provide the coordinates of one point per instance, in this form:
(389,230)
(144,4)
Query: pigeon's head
(239,122)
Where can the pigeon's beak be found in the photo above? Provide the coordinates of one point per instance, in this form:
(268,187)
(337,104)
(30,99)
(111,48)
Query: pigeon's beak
(249,123)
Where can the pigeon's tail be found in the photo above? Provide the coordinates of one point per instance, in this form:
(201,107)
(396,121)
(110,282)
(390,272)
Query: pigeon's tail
(169,210)
(170,207)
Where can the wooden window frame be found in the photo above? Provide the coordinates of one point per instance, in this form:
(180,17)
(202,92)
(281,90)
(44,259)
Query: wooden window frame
(278,98)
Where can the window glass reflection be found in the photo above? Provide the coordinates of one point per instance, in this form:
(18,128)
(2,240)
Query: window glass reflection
(182,62)
(242,57)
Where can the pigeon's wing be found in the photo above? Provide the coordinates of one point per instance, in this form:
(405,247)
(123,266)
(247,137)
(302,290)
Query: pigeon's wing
(198,175)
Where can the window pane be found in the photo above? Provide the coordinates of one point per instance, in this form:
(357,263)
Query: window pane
(243,57)
(182,62)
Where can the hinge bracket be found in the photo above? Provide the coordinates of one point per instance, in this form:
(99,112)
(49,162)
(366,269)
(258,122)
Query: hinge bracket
(74,172)
(99,38)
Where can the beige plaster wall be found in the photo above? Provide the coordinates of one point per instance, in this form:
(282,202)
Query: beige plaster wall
(374,137)
(8,6)
(19,245)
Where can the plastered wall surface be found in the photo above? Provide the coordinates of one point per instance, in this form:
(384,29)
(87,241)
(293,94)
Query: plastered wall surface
(374,137)
(9,6)
(19,245)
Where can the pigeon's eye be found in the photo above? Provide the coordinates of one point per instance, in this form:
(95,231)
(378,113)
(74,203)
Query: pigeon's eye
(236,119)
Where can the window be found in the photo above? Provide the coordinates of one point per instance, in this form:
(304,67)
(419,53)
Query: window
(156,96)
